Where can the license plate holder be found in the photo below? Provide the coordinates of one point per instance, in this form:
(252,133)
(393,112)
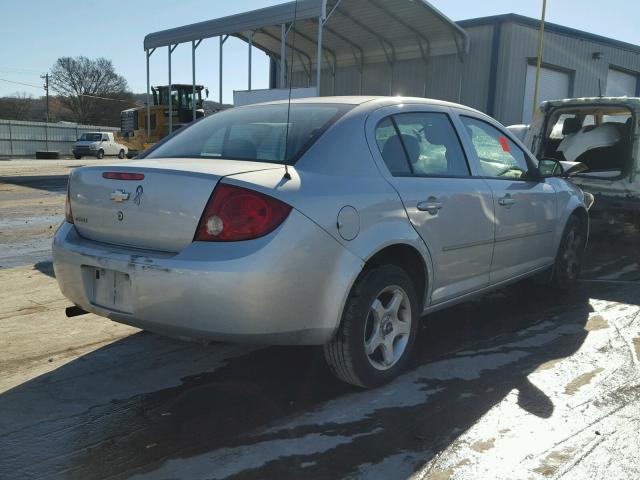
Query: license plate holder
(112,290)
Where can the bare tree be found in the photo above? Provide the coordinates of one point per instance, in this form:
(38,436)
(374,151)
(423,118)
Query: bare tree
(78,81)
(16,107)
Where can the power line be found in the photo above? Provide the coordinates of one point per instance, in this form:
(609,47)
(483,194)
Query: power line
(79,95)
(105,98)
(21,83)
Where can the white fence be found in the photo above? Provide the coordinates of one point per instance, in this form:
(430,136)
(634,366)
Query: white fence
(19,139)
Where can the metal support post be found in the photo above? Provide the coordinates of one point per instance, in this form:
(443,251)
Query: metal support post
(148,54)
(319,58)
(170,88)
(194,46)
(283,55)
(223,38)
(250,57)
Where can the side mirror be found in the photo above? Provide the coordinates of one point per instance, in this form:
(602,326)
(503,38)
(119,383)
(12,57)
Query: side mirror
(549,167)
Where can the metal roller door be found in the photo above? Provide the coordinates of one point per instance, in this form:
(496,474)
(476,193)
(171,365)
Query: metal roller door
(621,84)
(554,85)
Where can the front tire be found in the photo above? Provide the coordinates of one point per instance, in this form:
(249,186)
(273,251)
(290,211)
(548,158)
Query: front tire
(77,157)
(570,255)
(121,154)
(100,154)
(377,330)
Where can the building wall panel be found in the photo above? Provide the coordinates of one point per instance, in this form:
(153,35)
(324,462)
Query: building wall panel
(576,55)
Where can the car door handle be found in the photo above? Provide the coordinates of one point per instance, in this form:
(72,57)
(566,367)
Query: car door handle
(507,201)
(432,205)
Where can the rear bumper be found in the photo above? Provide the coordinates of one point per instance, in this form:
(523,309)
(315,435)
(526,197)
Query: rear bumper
(287,288)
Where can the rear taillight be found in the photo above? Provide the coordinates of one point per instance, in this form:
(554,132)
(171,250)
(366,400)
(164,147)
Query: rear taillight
(68,215)
(236,213)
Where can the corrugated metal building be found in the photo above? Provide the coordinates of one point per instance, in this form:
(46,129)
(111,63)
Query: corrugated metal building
(497,75)
(499,71)
(409,48)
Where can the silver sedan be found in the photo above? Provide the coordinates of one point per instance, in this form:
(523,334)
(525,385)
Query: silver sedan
(333,221)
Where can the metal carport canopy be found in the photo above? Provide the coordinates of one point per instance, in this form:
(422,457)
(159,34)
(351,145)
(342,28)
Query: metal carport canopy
(372,30)
(317,32)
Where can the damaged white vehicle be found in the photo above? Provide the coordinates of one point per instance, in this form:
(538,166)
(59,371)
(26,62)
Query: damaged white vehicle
(600,133)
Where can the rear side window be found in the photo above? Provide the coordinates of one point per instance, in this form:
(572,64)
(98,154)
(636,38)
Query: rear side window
(421,144)
(391,148)
(264,133)
(499,156)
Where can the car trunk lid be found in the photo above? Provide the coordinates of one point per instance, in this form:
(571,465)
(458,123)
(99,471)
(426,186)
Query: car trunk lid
(158,212)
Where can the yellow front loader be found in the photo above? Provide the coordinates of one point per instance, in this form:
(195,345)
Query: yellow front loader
(133,121)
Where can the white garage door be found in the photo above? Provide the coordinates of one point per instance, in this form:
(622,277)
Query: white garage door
(621,84)
(554,85)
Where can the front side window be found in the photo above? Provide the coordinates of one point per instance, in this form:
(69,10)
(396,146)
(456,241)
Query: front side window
(264,133)
(421,144)
(499,156)
(91,137)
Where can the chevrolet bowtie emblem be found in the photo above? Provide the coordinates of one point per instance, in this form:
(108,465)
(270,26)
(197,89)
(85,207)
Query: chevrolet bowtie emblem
(120,196)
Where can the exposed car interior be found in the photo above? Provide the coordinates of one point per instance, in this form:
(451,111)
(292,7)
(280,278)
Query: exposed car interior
(598,137)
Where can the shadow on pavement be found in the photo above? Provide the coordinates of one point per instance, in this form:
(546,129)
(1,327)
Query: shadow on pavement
(46,268)
(145,400)
(50,183)
(613,253)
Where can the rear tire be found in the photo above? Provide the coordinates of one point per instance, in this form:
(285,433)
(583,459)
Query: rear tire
(121,154)
(77,157)
(100,154)
(377,330)
(570,255)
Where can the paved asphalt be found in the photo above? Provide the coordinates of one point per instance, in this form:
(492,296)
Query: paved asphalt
(522,383)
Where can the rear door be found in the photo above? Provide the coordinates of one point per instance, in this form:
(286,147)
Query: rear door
(525,210)
(421,155)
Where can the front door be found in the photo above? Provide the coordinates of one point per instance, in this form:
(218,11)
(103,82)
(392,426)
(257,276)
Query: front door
(451,210)
(525,210)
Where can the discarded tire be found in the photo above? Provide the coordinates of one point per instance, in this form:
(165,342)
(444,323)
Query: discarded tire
(47,155)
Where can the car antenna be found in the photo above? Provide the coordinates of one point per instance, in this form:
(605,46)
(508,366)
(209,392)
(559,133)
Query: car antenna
(287,175)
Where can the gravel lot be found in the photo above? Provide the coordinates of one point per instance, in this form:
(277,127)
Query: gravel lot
(522,383)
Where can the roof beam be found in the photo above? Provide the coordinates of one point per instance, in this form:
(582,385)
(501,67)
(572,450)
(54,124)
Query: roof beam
(313,42)
(372,32)
(398,20)
(353,45)
(273,37)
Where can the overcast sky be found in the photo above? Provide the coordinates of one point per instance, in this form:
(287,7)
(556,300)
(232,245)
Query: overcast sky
(34,33)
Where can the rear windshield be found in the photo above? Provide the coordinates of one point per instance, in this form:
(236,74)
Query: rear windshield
(255,133)
(91,137)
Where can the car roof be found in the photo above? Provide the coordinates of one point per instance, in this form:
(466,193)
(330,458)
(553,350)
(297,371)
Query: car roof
(372,102)
(630,102)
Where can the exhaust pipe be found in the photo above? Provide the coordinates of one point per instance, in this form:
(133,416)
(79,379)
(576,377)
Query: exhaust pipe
(74,311)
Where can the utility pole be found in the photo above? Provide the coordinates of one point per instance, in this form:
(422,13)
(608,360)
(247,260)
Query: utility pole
(539,63)
(45,77)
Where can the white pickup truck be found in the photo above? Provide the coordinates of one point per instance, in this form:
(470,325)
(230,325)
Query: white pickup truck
(98,144)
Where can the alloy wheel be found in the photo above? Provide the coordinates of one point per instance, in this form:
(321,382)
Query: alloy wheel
(571,255)
(387,328)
